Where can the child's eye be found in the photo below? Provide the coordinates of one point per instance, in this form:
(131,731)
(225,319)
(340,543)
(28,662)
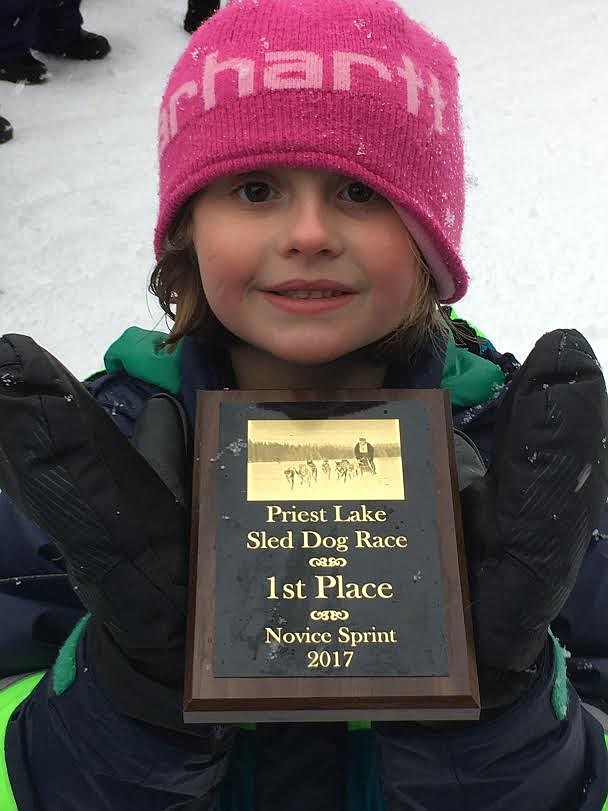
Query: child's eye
(255,191)
(360,193)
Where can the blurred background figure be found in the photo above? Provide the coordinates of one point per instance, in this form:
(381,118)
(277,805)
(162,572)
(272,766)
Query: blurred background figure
(6,130)
(51,26)
(199,11)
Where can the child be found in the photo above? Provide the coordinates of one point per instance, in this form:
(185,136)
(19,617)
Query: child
(311,205)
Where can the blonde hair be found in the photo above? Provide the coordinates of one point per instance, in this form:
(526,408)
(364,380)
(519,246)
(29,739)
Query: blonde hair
(176,282)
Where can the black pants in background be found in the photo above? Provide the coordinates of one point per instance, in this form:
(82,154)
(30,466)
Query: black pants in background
(43,24)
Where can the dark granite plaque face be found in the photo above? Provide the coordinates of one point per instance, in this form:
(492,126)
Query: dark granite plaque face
(258,624)
(327,575)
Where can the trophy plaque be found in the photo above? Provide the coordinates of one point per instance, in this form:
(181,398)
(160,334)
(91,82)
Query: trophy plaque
(327,572)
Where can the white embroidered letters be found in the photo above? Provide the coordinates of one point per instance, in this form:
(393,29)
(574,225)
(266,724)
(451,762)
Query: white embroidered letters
(343,60)
(439,103)
(413,83)
(187,89)
(297,70)
(244,67)
(164,135)
(293,62)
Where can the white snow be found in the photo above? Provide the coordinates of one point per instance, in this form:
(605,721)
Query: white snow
(78,182)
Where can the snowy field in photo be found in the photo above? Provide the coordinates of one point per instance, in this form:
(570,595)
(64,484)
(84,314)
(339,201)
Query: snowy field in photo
(78,182)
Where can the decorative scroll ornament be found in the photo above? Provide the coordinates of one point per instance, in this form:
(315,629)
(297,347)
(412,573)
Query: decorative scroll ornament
(329,615)
(327,563)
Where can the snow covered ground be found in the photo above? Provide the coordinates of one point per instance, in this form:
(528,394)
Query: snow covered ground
(78,183)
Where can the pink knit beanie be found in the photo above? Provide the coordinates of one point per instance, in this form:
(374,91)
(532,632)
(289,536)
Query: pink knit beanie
(353,87)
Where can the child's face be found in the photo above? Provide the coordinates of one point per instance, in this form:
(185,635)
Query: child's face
(304,265)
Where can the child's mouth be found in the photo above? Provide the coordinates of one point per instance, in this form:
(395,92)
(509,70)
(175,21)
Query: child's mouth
(305,294)
(309,298)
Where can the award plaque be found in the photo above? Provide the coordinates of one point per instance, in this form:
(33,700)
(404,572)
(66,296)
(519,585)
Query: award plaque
(327,573)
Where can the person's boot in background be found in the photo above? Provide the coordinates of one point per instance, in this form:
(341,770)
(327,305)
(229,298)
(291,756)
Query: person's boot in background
(50,26)
(59,32)
(199,11)
(6,130)
(83,46)
(18,20)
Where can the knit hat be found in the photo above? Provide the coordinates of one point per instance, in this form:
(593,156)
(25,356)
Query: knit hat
(353,87)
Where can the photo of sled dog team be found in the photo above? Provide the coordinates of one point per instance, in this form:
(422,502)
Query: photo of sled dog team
(305,473)
(324,459)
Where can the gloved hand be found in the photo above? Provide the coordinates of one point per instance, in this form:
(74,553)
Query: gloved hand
(67,467)
(529,520)
(118,513)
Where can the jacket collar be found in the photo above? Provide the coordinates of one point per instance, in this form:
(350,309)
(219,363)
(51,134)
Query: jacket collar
(207,368)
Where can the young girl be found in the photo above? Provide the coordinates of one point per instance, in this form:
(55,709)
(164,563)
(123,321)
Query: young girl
(311,206)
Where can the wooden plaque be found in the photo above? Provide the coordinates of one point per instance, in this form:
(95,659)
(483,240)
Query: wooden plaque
(327,574)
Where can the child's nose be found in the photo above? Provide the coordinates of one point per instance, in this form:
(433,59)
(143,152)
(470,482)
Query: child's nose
(310,228)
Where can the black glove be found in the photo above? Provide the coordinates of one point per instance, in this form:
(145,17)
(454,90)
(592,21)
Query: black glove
(529,520)
(119,519)
(66,466)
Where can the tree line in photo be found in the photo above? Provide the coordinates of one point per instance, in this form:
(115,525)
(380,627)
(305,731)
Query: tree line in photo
(287,452)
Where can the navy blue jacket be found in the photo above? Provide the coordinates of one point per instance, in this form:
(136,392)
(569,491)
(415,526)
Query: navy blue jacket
(506,763)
